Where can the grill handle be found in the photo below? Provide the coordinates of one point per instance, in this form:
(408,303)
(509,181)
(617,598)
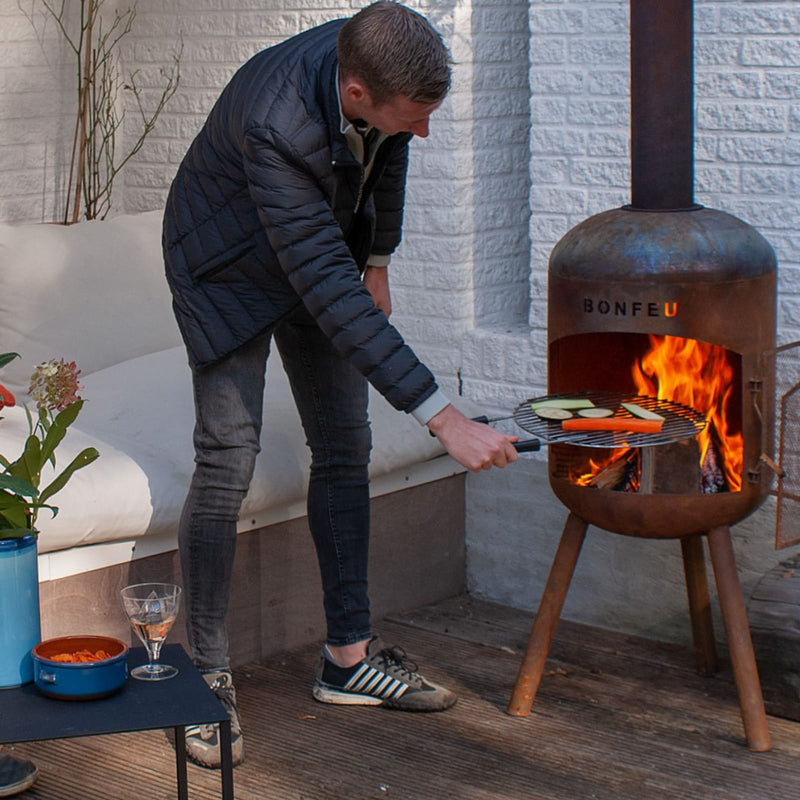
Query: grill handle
(526,446)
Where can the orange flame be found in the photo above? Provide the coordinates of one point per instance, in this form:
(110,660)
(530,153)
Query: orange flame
(698,375)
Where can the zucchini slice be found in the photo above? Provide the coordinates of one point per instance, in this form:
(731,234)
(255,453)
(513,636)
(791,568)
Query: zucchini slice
(642,413)
(595,413)
(563,402)
(553,412)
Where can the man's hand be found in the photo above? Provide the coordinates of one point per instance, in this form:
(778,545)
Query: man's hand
(376,280)
(474,445)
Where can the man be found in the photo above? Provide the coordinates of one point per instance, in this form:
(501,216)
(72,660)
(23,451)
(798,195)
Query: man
(279,227)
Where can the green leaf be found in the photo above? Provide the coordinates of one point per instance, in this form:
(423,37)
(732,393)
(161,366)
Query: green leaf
(18,486)
(83,459)
(15,514)
(58,429)
(29,465)
(6,358)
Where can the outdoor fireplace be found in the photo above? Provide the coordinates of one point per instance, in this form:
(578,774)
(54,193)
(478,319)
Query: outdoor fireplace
(664,298)
(678,305)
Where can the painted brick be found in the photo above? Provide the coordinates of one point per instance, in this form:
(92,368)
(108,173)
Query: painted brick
(592,112)
(718,52)
(754,20)
(557,20)
(741,116)
(543,129)
(729,84)
(607,82)
(598,52)
(548,52)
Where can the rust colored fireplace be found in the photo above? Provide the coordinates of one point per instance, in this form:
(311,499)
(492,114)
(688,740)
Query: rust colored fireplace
(664,298)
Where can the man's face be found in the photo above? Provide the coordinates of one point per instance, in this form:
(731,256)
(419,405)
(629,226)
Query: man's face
(400,115)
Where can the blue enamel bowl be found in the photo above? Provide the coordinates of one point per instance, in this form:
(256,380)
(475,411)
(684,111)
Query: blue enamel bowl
(76,680)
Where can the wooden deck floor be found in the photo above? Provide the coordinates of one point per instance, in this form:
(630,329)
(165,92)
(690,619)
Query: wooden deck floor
(616,718)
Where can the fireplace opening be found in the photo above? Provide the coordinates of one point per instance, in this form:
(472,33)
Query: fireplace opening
(700,375)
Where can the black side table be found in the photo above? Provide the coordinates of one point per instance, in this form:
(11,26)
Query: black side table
(28,716)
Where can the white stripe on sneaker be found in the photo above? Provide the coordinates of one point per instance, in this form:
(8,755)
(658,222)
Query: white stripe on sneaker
(371,681)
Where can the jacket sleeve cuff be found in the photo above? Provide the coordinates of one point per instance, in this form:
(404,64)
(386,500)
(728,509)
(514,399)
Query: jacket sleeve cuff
(375,260)
(429,408)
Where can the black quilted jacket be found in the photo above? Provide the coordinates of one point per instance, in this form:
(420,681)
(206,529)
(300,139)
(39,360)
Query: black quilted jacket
(267,211)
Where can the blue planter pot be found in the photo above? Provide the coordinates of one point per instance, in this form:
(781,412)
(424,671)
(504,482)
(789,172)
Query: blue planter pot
(20,627)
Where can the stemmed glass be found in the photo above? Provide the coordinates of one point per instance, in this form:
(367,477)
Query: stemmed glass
(152,609)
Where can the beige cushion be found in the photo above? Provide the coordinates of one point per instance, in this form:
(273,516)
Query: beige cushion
(95,293)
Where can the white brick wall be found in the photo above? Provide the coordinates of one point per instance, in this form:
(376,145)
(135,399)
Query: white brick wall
(747,74)
(533,139)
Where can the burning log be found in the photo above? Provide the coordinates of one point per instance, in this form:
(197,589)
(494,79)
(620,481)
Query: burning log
(619,475)
(713,469)
(672,468)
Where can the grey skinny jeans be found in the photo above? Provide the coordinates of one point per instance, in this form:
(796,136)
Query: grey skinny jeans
(331,398)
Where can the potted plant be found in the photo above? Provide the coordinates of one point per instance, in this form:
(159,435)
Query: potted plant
(54,386)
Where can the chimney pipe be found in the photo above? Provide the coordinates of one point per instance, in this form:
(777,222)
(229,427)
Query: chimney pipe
(662,100)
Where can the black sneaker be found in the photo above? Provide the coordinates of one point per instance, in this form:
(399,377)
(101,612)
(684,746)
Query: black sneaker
(16,775)
(384,678)
(202,741)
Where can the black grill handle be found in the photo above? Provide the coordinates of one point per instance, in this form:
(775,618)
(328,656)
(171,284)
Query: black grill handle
(526,446)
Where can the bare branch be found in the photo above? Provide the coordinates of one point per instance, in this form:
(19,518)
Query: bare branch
(94,163)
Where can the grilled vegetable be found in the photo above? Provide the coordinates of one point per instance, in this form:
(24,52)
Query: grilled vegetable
(642,413)
(552,412)
(595,413)
(562,402)
(613,424)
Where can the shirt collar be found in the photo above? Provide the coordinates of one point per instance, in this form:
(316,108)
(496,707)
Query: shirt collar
(345,126)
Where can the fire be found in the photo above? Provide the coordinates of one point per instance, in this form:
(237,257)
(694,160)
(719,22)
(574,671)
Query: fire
(695,374)
(698,375)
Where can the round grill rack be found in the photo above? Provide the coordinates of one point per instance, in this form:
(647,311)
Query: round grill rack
(680,421)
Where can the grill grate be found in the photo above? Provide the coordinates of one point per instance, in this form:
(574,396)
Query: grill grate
(680,422)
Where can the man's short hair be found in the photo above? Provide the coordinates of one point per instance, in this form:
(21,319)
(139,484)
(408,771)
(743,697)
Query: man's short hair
(394,51)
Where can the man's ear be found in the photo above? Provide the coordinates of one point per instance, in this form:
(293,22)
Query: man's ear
(355,90)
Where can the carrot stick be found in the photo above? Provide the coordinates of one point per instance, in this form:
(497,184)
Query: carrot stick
(613,424)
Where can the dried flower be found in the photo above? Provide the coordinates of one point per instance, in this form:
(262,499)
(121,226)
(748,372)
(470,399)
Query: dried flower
(55,385)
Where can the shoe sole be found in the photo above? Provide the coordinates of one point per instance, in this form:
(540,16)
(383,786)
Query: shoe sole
(210,763)
(209,757)
(325,695)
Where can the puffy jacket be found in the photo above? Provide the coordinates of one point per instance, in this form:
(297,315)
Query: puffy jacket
(267,210)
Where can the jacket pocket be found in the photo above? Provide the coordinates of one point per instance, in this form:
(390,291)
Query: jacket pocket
(218,264)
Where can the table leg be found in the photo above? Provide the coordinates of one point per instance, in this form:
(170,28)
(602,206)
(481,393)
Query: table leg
(226,759)
(180,762)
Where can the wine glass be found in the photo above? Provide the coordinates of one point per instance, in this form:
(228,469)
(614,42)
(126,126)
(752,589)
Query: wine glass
(151,609)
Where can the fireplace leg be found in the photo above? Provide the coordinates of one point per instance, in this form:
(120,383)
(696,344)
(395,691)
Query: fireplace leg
(737,629)
(544,626)
(694,568)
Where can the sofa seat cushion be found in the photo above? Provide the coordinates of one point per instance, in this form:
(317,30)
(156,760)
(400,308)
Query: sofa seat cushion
(139,415)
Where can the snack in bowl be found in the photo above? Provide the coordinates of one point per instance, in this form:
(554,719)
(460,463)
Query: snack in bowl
(80,667)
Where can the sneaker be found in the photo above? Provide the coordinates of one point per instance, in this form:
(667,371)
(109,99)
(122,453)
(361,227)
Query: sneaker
(16,775)
(384,678)
(202,741)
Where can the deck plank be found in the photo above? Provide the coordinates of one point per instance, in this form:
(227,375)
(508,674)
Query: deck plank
(616,718)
